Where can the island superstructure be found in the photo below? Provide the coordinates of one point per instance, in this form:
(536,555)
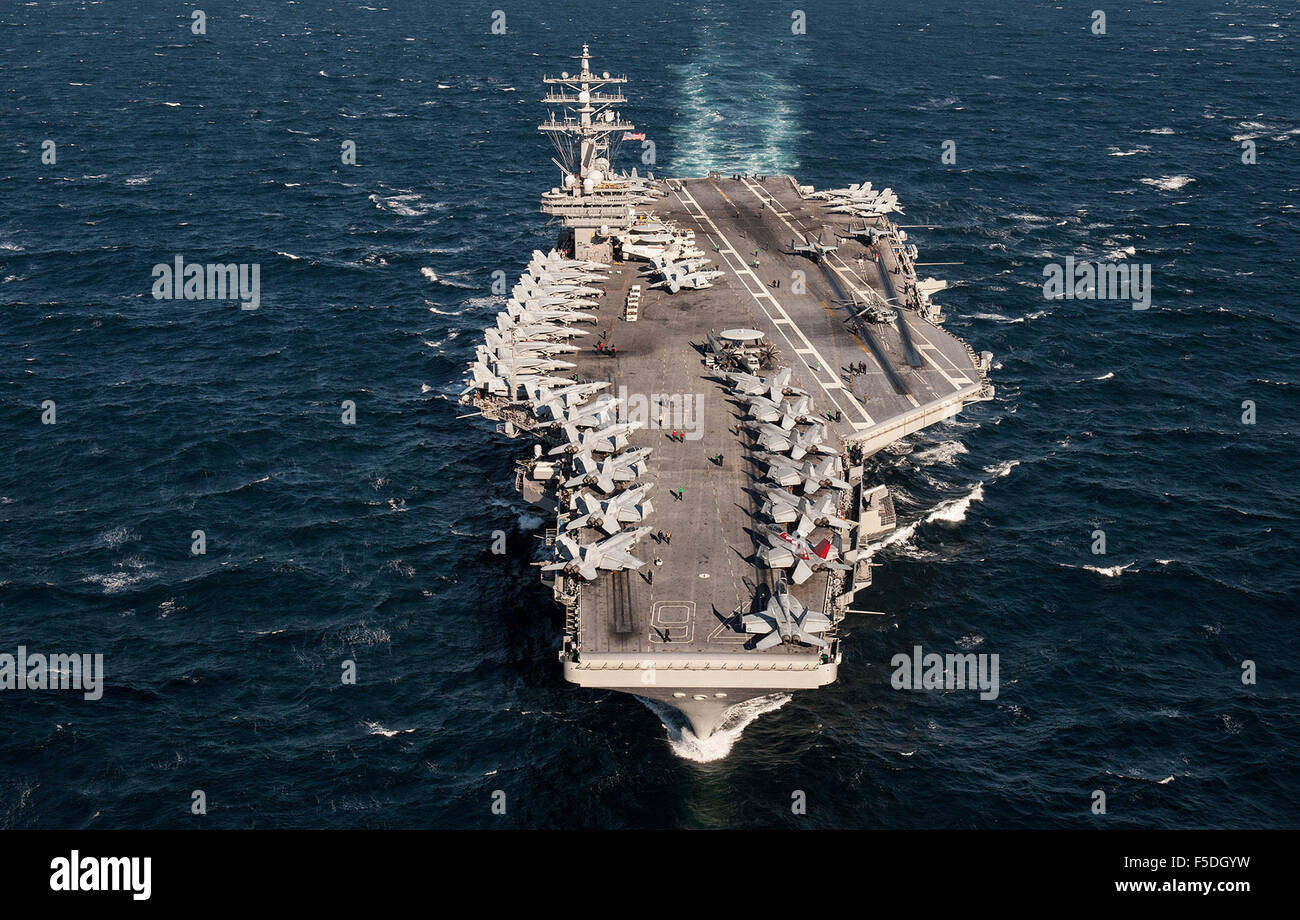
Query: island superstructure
(703,365)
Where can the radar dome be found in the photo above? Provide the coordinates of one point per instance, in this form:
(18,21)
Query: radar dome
(584,97)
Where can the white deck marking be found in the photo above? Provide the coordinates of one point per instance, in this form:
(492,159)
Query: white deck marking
(846,274)
(744,274)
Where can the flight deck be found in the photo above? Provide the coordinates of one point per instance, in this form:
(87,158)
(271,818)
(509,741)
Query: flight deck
(688,597)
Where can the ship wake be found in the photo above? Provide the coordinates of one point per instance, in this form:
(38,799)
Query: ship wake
(688,746)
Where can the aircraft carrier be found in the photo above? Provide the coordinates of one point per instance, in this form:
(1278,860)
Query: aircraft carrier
(702,366)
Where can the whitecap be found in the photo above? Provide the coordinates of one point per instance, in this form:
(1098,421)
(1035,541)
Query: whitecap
(1168,183)
(374,728)
(1002,469)
(1113,571)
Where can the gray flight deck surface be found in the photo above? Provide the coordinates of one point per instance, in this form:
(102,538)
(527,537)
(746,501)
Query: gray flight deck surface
(709,572)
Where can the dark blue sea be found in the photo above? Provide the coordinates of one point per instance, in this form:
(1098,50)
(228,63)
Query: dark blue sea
(369,543)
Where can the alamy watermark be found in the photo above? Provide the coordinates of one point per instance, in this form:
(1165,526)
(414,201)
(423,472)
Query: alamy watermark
(932,671)
(52,672)
(678,412)
(103,873)
(209,281)
(1098,281)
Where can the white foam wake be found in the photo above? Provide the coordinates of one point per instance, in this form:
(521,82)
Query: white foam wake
(944,452)
(686,745)
(954,512)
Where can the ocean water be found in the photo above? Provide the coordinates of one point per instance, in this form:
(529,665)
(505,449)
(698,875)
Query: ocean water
(369,542)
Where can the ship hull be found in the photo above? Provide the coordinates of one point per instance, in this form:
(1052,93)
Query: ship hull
(698,691)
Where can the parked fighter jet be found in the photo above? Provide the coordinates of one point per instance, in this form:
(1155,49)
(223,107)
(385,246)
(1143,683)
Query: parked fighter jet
(773,386)
(626,507)
(530,330)
(553,401)
(593,414)
(523,313)
(523,362)
(822,512)
(529,288)
(606,440)
(813,249)
(853,191)
(785,619)
(781,469)
(503,343)
(588,559)
(866,234)
(553,258)
(786,413)
(677,275)
(784,551)
(541,267)
(780,506)
(797,443)
(822,474)
(498,383)
(608,473)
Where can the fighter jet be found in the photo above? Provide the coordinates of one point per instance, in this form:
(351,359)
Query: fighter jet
(823,474)
(522,313)
(554,401)
(605,441)
(608,473)
(526,330)
(498,383)
(822,512)
(813,249)
(785,619)
(591,414)
(851,192)
(773,386)
(660,264)
(677,276)
(781,469)
(779,506)
(524,362)
(554,258)
(528,288)
(797,443)
(744,383)
(505,344)
(784,551)
(587,560)
(626,507)
(786,413)
(866,234)
(539,267)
